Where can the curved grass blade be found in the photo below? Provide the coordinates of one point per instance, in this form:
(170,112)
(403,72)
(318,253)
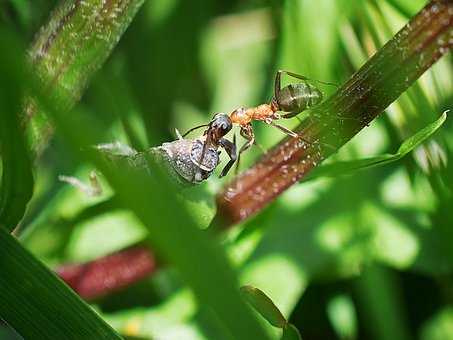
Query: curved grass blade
(290,332)
(17,179)
(37,304)
(263,305)
(348,167)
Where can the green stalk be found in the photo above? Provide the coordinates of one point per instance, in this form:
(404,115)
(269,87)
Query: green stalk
(69,49)
(37,304)
(390,72)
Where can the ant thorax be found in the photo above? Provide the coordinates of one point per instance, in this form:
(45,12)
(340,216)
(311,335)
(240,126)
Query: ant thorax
(262,112)
(244,116)
(240,116)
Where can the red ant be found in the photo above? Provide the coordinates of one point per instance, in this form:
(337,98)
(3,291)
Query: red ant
(292,100)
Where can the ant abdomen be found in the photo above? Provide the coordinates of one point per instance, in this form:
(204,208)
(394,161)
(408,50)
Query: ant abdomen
(296,98)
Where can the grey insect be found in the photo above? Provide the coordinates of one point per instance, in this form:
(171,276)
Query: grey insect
(194,160)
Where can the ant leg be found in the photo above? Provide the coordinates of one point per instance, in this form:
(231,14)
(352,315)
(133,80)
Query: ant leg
(230,148)
(285,130)
(289,132)
(290,115)
(296,135)
(299,119)
(205,147)
(247,133)
(301,77)
(262,149)
(277,83)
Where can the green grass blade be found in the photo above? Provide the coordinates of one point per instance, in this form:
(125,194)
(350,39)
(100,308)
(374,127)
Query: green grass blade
(37,304)
(290,332)
(154,200)
(348,167)
(17,179)
(70,48)
(263,305)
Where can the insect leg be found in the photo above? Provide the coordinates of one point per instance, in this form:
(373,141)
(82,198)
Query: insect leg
(301,77)
(230,148)
(262,149)
(285,130)
(296,135)
(277,83)
(289,115)
(247,133)
(205,147)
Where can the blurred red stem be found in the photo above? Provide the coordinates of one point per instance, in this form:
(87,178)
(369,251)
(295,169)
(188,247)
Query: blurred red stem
(110,273)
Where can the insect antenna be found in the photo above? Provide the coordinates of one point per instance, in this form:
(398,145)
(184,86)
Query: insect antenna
(194,128)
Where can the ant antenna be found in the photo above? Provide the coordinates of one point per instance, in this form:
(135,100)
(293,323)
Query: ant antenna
(194,128)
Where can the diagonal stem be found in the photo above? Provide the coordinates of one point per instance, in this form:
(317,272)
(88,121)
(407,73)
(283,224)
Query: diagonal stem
(392,70)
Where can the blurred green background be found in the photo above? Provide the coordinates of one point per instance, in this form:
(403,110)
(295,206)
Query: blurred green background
(369,256)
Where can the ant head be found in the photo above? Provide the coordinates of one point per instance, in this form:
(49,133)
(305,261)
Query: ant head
(220,125)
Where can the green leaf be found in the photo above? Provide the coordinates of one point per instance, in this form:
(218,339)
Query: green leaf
(439,326)
(17,179)
(70,48)
(153,199)
(348,167)
(263,305)
(37,304)
(343,316)
(290,332)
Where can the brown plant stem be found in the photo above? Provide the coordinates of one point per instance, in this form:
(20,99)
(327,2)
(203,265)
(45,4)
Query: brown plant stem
(394,68)
(95,279)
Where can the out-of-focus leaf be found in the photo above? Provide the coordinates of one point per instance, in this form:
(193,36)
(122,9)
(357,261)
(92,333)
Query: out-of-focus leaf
(343,317)
(379,296)
(348,167)
(290,332)
(263,305)
(37,304)
(17,179)
(406,8)
(439,327)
